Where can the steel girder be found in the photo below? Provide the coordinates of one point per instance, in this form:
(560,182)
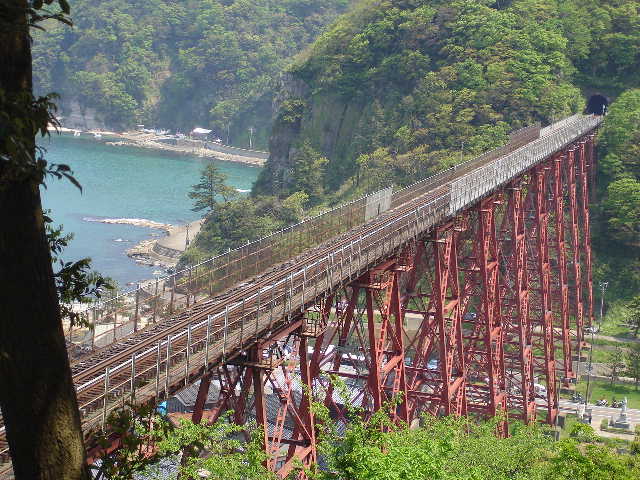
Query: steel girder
(482,318)
(519,367)
(464,320)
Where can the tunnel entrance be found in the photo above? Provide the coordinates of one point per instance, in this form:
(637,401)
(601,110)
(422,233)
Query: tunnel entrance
(597,104)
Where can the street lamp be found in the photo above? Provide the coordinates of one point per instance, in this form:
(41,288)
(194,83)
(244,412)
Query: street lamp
(250,138)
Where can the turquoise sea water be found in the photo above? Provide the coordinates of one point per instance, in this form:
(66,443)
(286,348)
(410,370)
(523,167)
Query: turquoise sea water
(123,182)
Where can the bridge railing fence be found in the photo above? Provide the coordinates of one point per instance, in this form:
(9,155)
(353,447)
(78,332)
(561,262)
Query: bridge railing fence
(483,179)
(165,366)
(517,139)
(121,314)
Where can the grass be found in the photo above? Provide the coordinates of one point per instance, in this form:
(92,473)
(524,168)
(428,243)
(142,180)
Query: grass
(606,343)
(600,356)
(569,420)
(614,322)
(602,388)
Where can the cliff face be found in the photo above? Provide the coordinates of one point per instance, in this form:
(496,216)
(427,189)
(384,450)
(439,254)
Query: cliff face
(328,121)
(288,110)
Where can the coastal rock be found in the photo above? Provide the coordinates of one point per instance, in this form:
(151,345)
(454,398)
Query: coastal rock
(138,222)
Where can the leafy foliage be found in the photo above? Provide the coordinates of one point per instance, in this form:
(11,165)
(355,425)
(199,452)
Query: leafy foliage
(146,439)
(178,64)
(236,221)
(633,363)
(457,448)
(75,282)
(618,221)
(401,89)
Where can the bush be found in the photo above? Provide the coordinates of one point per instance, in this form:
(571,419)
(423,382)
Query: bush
(583,433)
(604,424)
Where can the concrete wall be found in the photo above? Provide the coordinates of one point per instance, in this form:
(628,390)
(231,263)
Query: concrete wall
(215,147)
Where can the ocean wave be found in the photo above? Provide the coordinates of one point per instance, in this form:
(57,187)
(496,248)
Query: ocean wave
(242,191)
(138,222)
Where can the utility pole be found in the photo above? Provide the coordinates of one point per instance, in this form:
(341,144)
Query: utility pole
(603,286)
(228,128)
(250,137)
(589,368)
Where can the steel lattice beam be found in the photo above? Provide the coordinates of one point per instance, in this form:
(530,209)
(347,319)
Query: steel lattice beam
(463,320)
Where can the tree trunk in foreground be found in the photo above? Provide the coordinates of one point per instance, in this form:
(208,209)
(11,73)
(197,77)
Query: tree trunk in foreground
(37,396)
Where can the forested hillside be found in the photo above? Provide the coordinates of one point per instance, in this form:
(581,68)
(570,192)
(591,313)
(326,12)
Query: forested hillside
(399,89)
(175,64)
(616,235)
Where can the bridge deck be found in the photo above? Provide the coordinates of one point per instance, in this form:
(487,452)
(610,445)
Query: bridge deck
(164,357)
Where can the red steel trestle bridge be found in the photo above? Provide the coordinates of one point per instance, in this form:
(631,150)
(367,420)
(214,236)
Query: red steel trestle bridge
(467,293)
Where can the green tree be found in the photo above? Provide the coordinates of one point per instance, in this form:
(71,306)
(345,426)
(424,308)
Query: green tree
(590,462)
(37,394)
(633,318)
(211,187)
(623,208)
(615,362)
(309,172)
(633,362)
(198,448)
(583,433)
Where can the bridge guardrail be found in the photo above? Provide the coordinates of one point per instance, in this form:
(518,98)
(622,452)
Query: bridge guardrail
(118,316)
(472,186)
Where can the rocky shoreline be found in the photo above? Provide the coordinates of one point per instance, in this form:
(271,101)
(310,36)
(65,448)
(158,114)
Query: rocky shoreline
(153,141)
(147,252)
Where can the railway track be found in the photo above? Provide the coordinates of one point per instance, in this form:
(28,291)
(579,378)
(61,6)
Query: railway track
(89,368)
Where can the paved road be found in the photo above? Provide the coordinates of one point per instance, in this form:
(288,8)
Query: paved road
(632,413)
(587,336)
(600,413)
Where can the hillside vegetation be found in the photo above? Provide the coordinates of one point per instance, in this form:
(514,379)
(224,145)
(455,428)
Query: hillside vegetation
(616,235)
(178,64)
(396,90)
(399,89)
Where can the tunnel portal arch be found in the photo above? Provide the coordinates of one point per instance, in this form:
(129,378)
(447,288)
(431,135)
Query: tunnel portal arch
(597,104)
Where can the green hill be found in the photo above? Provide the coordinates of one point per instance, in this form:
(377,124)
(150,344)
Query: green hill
(398,89)
(176,64)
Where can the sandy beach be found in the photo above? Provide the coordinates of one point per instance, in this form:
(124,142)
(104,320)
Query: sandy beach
(165,251)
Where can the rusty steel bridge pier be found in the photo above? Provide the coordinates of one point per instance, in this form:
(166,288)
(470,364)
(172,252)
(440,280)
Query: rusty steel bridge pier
(468,290)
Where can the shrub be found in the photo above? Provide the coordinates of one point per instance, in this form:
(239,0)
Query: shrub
(583,433)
